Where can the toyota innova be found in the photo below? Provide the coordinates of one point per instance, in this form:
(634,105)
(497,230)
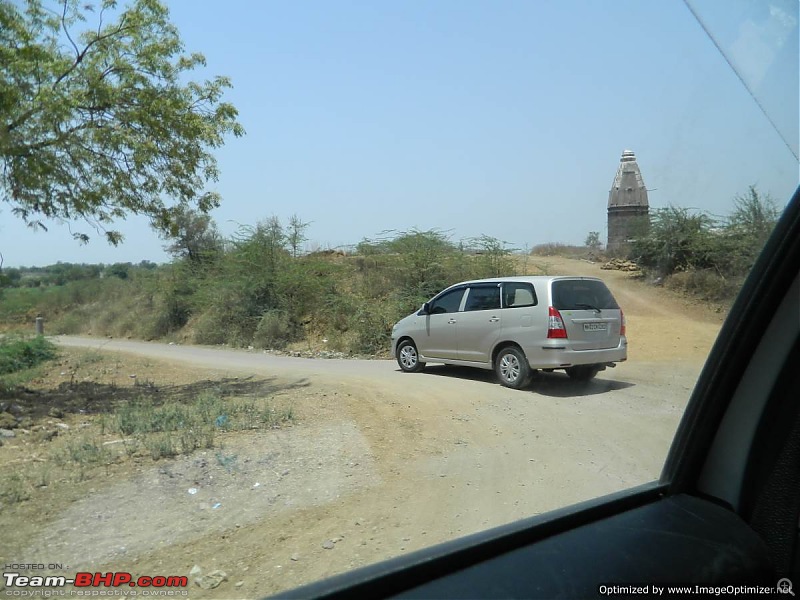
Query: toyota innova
(516,325)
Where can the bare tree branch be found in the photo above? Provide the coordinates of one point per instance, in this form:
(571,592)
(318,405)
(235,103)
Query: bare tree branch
(82,54)
(66,30)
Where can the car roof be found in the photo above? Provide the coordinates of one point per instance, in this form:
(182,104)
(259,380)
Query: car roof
(523,278)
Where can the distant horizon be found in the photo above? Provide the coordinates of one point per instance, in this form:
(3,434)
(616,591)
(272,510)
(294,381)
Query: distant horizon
(311,246)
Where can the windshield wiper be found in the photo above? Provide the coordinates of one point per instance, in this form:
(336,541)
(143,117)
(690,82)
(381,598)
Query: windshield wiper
(589,306)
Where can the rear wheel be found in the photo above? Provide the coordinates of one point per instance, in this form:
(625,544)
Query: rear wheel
(583,372)
(408,357)
(512,368)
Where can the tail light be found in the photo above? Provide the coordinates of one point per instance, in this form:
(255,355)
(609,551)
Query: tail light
(621,323)
(555,325)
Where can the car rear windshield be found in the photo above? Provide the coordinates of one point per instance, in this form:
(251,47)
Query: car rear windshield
(582,294)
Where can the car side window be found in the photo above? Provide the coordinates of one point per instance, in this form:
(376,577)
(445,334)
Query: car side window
(483,298)
(516,295)
(447,303)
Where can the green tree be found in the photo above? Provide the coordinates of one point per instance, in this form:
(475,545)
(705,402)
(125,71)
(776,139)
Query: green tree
(493,257)
(593,242)
(423,258)
(754,215)
(193,235)
(675,240)
(101,123)
(120,270)
(750,225)
(296,234)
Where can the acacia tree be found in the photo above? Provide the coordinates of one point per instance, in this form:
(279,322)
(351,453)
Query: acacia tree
(675,239)
(296,234)
(592,241)
(753,218)
(100,123)
(194,236)
(493,257)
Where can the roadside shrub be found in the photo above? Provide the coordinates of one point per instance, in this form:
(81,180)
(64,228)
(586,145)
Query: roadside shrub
(222,324)
(17,354)
(172,311)
(372,327)
(273,330)
(337,312)
(68,324)
(705,284)
(208,330)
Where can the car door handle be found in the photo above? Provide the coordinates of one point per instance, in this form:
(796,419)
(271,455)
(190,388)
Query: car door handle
(494,319)
(451,321)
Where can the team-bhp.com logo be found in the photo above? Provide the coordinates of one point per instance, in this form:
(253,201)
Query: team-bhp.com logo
(94,580)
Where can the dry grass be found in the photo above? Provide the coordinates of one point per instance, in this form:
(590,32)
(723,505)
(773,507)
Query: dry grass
(89,413)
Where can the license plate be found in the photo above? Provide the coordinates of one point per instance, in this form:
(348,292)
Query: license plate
(595,326)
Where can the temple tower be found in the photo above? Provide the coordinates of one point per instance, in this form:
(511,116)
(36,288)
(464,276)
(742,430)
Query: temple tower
(627,204)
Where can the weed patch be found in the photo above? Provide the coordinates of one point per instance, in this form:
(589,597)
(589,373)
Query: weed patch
(14,488)
(176,428)
(19,353)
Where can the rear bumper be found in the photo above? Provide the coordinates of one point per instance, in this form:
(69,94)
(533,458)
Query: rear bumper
(558,356)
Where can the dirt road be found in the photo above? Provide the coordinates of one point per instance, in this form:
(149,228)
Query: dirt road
(381,463)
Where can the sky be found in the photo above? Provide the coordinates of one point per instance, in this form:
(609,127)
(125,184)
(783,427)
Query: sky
(501,118)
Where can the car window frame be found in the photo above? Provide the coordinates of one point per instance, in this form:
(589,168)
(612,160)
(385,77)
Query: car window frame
(487,285)
(558,300)
(527,284)
(432,303)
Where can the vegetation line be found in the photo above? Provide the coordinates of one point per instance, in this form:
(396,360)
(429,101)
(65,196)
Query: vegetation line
(260,289)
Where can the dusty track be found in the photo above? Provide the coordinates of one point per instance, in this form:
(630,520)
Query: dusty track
(384,463)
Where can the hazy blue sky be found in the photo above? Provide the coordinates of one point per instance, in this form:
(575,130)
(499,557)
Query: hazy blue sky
(477,117)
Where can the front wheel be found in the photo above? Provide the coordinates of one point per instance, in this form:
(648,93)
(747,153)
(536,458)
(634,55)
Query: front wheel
(408,357)
(583,372)
(512,368)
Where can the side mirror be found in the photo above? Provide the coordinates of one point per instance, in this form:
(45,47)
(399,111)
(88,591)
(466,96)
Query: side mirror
(426,309)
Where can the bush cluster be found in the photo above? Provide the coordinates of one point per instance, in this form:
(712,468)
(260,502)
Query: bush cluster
(18,353)
(703,255)
(257,289)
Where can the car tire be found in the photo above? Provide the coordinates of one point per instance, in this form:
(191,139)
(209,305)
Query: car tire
(512,368)
(408,357)
(583,372)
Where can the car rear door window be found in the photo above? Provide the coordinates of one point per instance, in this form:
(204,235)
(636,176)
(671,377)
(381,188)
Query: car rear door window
(582,294)
(485,297)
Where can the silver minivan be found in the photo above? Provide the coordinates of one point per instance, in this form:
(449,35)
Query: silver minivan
(516,325)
